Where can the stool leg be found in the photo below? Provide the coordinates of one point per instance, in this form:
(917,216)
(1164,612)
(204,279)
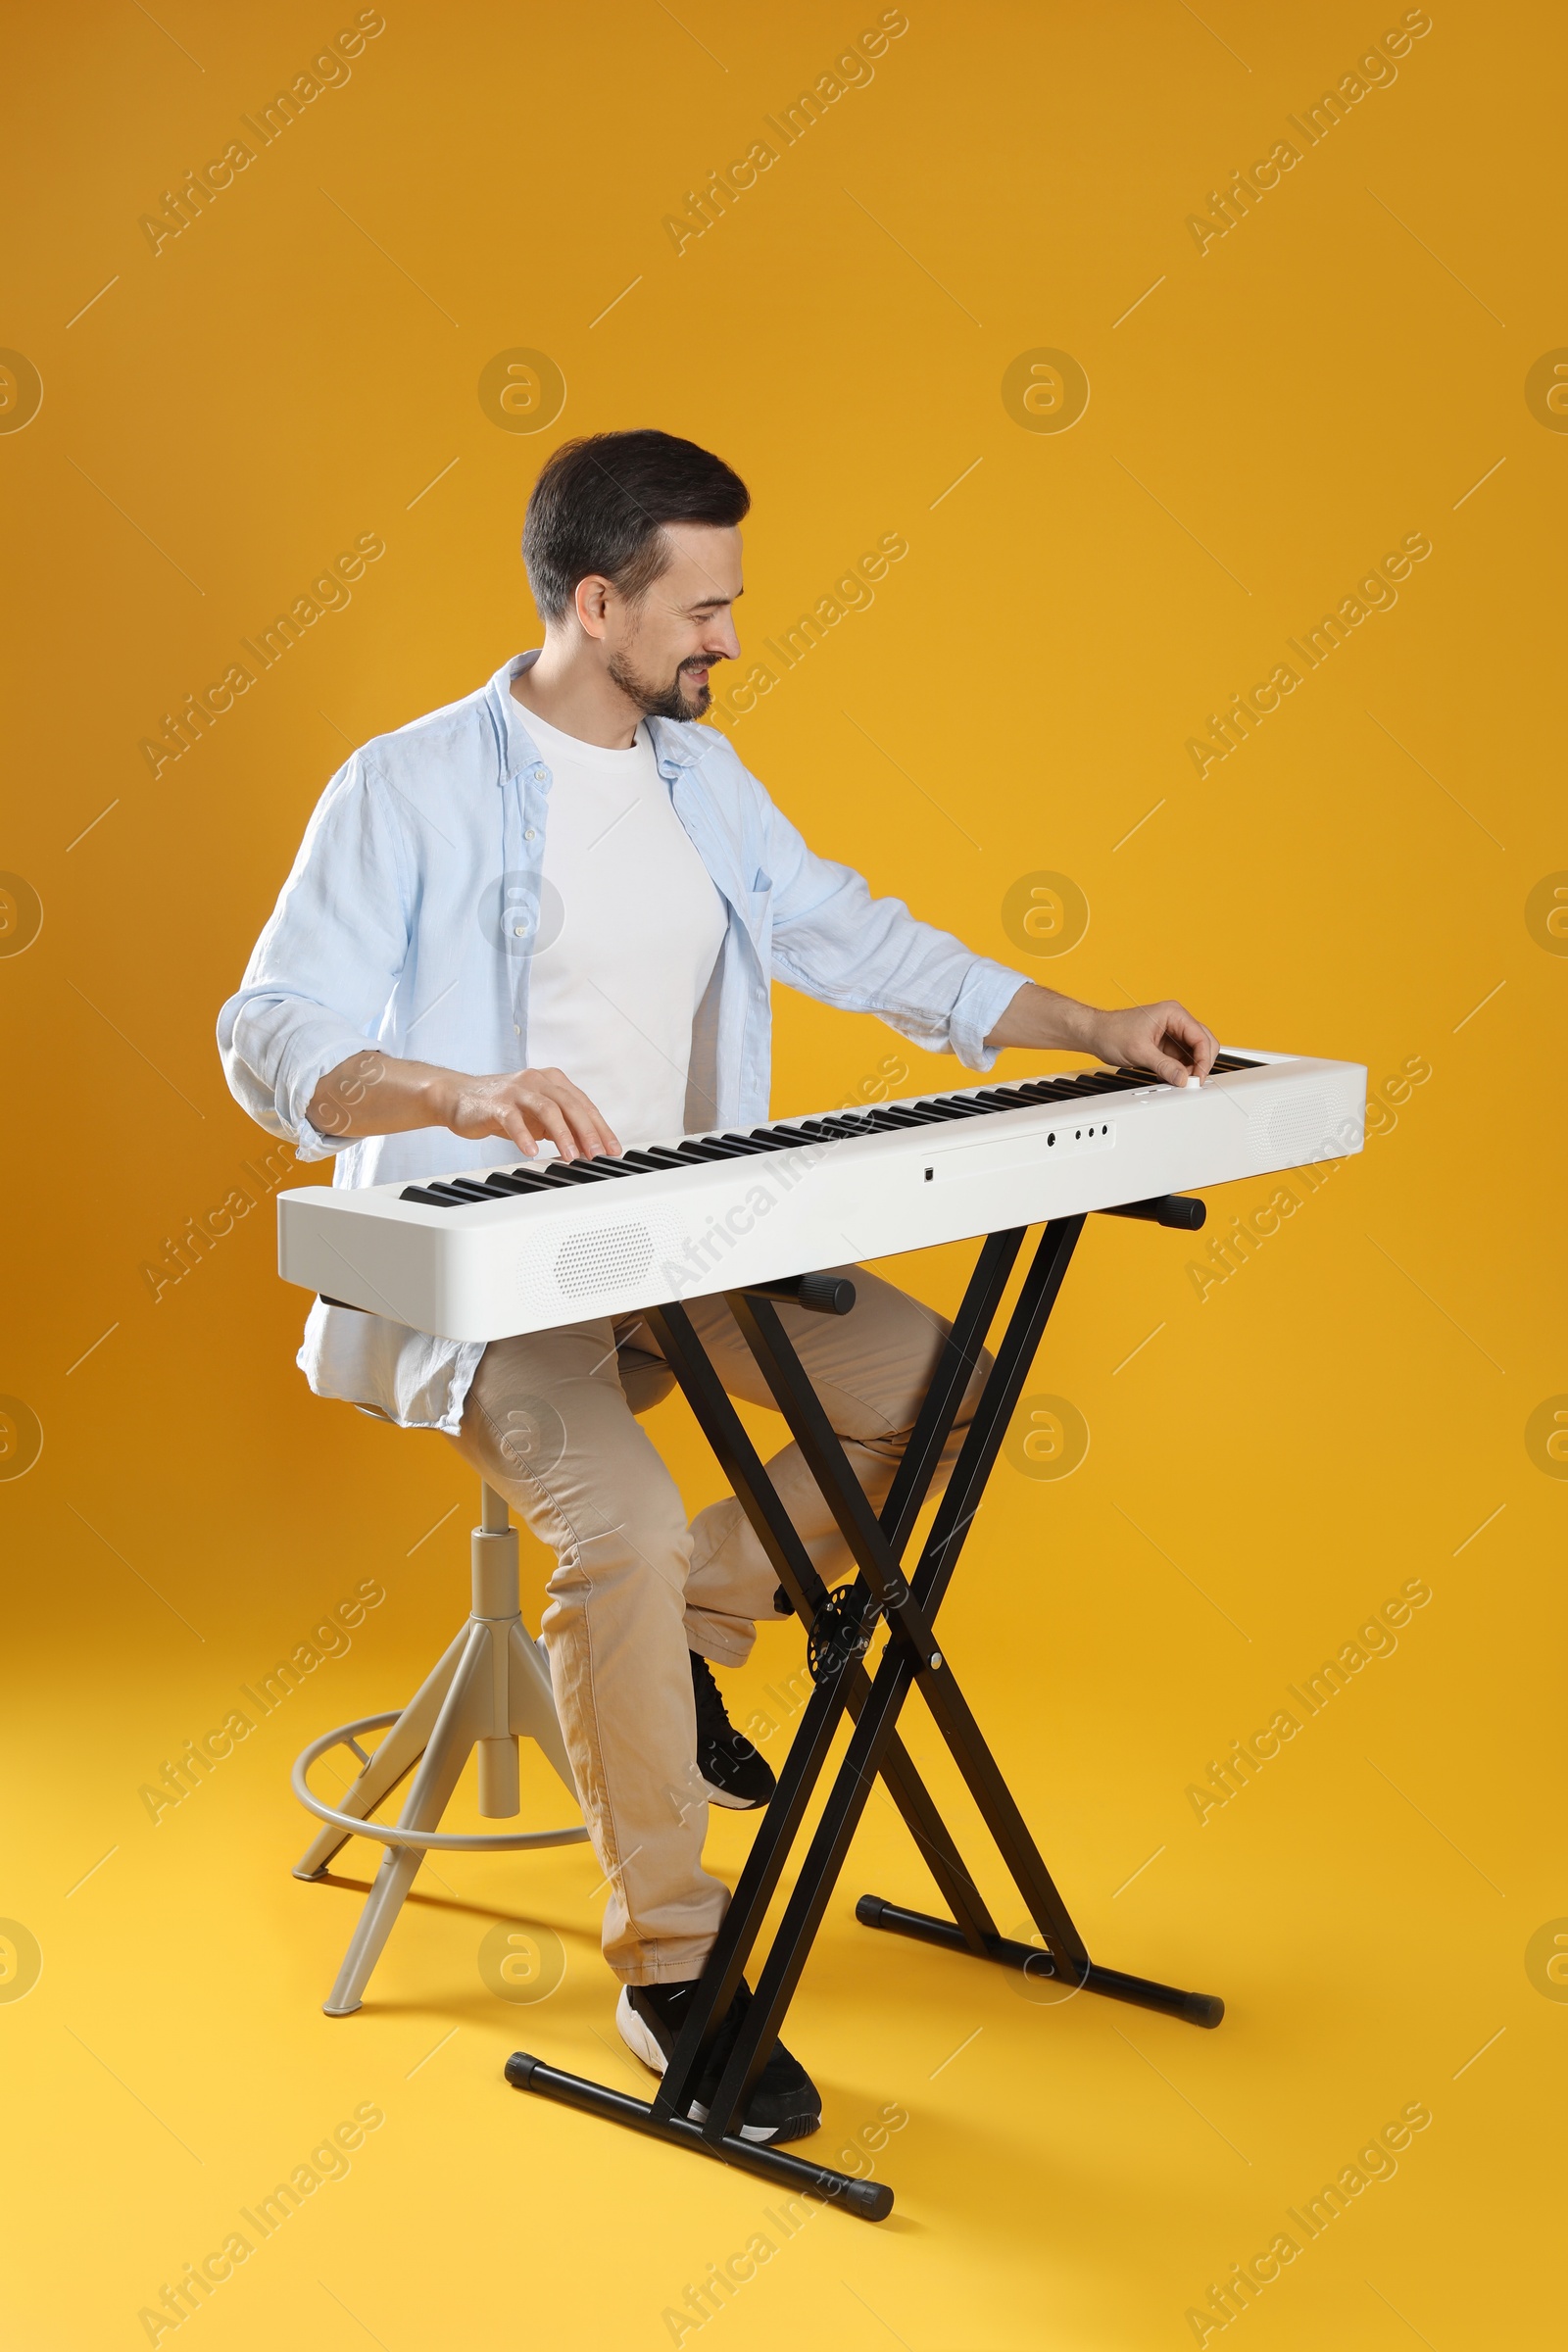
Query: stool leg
(397,1754)
(460,1718)
(494,1557)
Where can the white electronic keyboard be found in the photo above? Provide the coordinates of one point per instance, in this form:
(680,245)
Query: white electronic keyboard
(491,1253)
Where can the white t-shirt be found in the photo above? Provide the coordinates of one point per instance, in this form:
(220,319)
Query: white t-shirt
(630,927)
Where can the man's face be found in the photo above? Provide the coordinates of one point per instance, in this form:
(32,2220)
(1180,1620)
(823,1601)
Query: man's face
(659,649)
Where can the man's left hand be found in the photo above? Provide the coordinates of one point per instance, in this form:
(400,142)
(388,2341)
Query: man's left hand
(1163,1039)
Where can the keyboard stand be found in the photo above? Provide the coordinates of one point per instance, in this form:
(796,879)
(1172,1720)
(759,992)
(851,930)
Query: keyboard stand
(839,1628)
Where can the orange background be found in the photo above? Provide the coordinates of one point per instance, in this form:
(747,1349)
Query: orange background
(1267,418)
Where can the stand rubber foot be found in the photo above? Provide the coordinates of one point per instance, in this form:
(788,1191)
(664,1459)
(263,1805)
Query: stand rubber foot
(1142,1992)
(871,2200)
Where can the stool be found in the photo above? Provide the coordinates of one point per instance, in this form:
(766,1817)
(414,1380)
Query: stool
(491,1687)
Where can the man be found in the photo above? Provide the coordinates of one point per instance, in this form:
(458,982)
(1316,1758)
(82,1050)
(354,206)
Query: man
(548,915)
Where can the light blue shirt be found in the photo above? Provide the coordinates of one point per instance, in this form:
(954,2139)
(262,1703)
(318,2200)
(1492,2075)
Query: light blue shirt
(408,924)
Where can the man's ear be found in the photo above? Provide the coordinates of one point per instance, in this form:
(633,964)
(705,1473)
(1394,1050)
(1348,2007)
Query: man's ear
(591,603)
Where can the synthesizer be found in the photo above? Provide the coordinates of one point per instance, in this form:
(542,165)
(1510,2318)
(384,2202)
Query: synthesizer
(487,1253)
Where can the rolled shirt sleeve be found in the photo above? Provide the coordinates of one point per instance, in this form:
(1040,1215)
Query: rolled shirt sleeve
(836,942)
(325,968)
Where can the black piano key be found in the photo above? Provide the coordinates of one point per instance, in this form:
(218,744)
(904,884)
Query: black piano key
(660,1156)
(1004,1098)
(517,1180)
(761,1139)
(643,1163)
(610,1167)
(705,1146)
(430,1197)
(950,1107)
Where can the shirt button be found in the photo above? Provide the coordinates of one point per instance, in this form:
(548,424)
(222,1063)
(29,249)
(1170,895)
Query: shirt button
(517,1029)
(528,835)
(541,775)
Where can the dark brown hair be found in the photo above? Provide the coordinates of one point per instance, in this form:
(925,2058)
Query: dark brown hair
(601,505)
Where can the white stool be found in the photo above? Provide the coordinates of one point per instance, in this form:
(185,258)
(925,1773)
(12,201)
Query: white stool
(491,1687)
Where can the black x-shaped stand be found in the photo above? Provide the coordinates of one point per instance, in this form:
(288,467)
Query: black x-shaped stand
(840,1628)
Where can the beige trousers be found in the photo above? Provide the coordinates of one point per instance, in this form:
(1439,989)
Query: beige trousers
(551,1422)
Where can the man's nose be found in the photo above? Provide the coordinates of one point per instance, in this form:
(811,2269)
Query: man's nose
(724,643)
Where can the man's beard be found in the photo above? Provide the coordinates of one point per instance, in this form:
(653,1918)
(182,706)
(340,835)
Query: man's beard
(661,702)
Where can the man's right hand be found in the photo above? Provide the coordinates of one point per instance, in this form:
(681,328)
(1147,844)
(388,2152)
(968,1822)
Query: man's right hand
(531,1106)
(371,1094)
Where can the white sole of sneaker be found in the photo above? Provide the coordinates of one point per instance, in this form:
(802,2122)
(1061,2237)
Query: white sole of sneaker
(731,1804)
(639,2037)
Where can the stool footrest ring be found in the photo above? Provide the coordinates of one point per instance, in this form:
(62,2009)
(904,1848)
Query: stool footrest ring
(388,1832)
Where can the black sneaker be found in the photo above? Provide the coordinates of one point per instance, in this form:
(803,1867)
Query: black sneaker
(735,1775)
(785,2104)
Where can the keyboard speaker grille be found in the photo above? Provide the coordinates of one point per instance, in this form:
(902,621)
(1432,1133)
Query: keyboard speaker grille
(1302,1131)
(605,1260)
